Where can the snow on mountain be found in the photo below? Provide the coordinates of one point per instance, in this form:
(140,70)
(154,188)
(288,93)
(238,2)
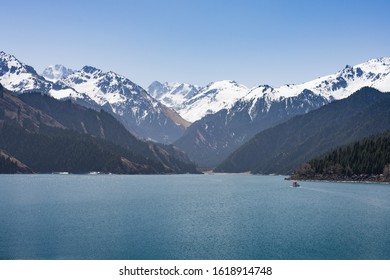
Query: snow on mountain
(193,102)
(19,77)
(173,95)
(102,87)
(213,137)
(93,88)
(56,72)
(212,98)
(137,110)
(373,73)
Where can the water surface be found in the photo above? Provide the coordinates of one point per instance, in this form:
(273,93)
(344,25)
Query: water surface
(190,217)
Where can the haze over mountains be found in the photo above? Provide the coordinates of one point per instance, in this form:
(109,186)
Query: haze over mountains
(208,123)
(56,72)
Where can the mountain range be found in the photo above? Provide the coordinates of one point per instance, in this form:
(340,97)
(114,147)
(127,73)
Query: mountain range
(91,87)
(207,123)
(212,137)
(194,102)
(173,95)
(281,149)
(49,135)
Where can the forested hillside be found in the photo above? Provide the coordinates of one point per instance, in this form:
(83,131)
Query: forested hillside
(367,159)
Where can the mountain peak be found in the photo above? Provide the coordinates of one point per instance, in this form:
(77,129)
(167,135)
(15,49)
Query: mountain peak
(264,87)
(138,111)
(6,55)
(9,63)
(155,84)
(223,84)
(212,98)
(56,72)
(19,77)
(172,94)
(90,69)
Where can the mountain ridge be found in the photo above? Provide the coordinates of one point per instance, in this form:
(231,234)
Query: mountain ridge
(373,73)
(212,138)
(281,149)
(30,121)
(93,88)
(129,102)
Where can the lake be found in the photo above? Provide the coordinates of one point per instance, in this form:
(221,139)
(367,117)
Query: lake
(190,217)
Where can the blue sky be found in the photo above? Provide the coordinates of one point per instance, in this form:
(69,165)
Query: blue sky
(252,42)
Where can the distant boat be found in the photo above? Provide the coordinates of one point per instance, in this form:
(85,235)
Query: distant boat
(295,184)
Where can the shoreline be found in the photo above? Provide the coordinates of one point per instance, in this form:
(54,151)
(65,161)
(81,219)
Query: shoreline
(338,181)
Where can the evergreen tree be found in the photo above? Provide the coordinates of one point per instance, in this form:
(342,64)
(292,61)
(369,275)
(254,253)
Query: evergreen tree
(365,158)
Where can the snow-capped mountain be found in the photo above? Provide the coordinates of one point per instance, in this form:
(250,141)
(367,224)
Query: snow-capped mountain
(212,98)
(19,77)
(173,95)
(56,72)
(212,138)
(130,103)
(192,102)
(283,148)
(91,87)
(373,73)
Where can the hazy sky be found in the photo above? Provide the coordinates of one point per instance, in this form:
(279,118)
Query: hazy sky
(196,41)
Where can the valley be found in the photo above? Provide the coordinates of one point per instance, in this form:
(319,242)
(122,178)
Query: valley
(224,125)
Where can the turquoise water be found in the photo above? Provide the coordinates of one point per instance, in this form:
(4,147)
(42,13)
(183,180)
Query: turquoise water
(190,217)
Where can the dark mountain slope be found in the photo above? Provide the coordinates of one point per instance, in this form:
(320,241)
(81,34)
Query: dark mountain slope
(60,150)
(211,139)
(11,165)
(283,148)
(13,109)
(104,125)
(51,131)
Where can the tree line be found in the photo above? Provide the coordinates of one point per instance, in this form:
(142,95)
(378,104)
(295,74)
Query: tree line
(364,159)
